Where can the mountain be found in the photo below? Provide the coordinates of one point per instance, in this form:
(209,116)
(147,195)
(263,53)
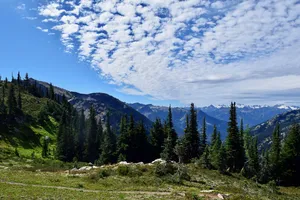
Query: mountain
(252,115)
(264,130)
(179,116)
(102,103)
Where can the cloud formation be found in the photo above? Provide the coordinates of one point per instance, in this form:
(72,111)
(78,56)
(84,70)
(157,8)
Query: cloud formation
(201,51)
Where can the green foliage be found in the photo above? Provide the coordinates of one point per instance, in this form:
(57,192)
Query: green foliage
(234,148)
(123,170)
(164,169)
(203,138)
(291,157)
(171,139)
(108,147)
(93,140)
(157,139)
(275,153)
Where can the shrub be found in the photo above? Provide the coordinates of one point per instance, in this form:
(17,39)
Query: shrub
(123,170)
(165,169)
(103,173)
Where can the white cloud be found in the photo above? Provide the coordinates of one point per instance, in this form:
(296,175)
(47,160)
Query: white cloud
(21,7)
(200,51)
(43,30)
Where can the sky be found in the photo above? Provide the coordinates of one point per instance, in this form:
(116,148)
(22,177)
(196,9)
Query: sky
(160,52)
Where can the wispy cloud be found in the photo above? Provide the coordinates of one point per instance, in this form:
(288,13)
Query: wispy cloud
(201,51)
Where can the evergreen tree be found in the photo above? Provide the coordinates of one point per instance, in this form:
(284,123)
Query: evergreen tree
(26,81)
(192,138)
(203,137)
(61,137)
(6,82)
(108,148)
(170,142)
(205,158)
(157,138)
(19,80)
(2,102)
(11,101)
(214,136)
(291,157)
(81,136)
(45,150)
(275,152)
(51,92)
(123,140)
(215,147)
(222,158)
(233,146)
(141,144)
(92,148)
(99,138)
(19,101)
(181,150)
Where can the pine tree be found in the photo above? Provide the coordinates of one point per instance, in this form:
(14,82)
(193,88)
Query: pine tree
(2,102)
(291,157)
(19,101)
(141,144)
(215,148)
(92,148)
(6,83)
(61,137)
(275,152)
(157,138)
(203,137)
(108,148)
(45,150)
(11,101)
(181,150)
(170,142)
(26,81)
(170,126)
(233,146)
(99,138)
(205,158)
(123,140)
(19,80)
(81,136)
(222,159)
(192,138)
(51,92)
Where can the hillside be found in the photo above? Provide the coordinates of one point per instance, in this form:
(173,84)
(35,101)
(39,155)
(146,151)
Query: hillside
(264,130)
(179,114)
(252,115)
(102,103)
(26,131)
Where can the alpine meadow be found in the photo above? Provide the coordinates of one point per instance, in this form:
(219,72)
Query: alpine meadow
(149,99)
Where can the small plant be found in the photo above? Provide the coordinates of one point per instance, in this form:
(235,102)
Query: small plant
(80,185)
(191,196)
(17,152)
(123,170)
(165,169)
(273,187)
(103,173)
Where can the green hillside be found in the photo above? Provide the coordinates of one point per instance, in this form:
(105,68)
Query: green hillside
(26,130)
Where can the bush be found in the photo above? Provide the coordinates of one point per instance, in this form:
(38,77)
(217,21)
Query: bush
(103,173)
(123,170)
(165,169)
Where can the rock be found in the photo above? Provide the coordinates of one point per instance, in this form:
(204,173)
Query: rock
(220,196)
(140,163)
(123,163)
(207,191)
(160,161)
(90,164)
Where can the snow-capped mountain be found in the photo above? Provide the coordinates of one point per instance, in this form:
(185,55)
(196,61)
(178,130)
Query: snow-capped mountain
(251,114)
(179,114)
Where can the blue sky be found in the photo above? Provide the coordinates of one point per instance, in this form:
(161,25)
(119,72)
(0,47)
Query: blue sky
(160,52)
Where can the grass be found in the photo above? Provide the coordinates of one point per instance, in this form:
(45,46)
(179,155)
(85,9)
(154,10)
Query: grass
(132,179)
